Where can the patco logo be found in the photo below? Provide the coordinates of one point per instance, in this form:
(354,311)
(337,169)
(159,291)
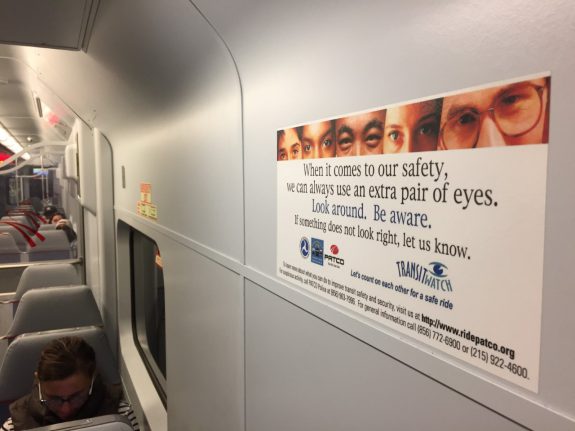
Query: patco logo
(332,259)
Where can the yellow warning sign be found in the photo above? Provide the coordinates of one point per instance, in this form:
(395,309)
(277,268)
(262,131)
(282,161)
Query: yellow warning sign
(144,206)
(146,192)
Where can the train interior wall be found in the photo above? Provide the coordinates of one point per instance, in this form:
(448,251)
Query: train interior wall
(189,96)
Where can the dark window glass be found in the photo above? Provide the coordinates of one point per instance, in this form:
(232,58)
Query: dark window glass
(149,318)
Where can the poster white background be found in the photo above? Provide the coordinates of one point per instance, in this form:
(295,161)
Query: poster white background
(483,222)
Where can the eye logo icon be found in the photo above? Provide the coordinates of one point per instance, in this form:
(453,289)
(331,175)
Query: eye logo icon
(438,269)
(304,247)
(334,250)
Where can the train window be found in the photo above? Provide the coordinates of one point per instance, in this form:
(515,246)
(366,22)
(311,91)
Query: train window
(148,309)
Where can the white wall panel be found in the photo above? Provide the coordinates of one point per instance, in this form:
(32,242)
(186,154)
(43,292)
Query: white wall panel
(305,374)
(327,58)
(106,235)
(92,257)
(204,333)
(86,166)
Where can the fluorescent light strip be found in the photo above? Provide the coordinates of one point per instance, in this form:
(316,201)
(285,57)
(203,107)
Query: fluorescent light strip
(10,142)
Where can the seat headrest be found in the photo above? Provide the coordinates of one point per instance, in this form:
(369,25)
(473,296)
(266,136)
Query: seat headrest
(22,355)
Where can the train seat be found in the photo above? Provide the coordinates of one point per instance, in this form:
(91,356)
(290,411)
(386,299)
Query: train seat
(34,219)
(9,250)
(47,226)
(21,359)
(46,275)
(101,423)
(50,308)
(19,238)
(21,218)
(35,276)
(55,246)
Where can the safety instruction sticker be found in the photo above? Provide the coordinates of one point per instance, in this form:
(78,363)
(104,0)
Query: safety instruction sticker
(145,207)
(427,217)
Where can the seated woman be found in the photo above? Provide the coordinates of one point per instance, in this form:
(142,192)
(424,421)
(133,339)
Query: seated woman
(68,387)
(49,211)
(56,217)
(66,226)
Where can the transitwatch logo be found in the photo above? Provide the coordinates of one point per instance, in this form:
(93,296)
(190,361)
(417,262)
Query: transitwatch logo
(435,276)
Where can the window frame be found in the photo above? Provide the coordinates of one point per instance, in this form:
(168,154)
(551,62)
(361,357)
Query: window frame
(139,329)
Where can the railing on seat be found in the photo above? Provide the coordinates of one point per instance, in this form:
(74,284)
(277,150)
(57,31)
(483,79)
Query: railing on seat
(100,423)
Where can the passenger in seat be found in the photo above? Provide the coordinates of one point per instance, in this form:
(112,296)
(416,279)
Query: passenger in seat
(66,226)
(49,211)
(68,387)
(56,217)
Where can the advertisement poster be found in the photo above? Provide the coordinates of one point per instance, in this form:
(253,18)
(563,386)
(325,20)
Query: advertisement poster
(427,217)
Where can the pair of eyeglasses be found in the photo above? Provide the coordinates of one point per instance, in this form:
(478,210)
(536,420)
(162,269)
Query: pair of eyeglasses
(75,400)
(515,112)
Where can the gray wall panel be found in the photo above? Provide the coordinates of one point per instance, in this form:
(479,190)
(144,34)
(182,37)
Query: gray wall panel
(204,333)
(162,87)
(86,166)
(106,235)
(302,373)
(204,324)
(327,58)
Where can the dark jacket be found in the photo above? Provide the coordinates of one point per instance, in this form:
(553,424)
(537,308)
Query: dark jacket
(28,412)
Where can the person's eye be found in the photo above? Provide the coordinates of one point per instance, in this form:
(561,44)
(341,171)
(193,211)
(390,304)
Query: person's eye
(516,95)
(295,151)
(510,99)
(428,129)
(283,155)
(345,143)
(393,135)
(466,119)
(517,101)
(307,148)
(373,139)
(327,143)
